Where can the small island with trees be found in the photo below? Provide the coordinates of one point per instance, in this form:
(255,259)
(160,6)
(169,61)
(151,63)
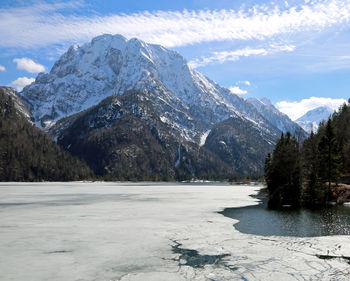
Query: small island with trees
(314,173)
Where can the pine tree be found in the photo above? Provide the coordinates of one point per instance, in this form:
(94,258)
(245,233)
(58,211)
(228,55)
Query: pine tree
(267,167)
(330,158)
(28,154)
(282,173)
(341,122)
(310,171)
(325,156)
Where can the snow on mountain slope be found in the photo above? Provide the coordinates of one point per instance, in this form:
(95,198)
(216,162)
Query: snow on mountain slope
(276,117)
(311,119)
(22,107)
(124,136)
(110,65)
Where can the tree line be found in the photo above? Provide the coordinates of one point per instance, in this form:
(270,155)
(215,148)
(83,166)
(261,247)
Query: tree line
(28,154)
(307,174)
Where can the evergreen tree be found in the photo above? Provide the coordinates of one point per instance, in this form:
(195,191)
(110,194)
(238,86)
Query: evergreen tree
(325,158)
(313,191)
(282,173)
(330,157)
(28,154)
(341,122)
(267,168)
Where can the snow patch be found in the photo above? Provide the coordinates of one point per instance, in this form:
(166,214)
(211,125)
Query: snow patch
(203,138)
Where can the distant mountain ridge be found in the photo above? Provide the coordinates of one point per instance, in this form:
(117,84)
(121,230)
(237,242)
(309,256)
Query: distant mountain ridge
(277,118)
(311,119)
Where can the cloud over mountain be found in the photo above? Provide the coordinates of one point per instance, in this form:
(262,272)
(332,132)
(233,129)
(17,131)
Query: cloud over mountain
(21,82)
(297,109)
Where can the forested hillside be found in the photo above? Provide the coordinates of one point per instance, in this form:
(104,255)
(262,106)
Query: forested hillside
(28,154)
(124,138)
(310,174)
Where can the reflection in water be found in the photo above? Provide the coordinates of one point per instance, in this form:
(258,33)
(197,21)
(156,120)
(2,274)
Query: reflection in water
(259,220)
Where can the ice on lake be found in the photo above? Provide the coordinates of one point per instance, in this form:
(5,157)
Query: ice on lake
(124,231)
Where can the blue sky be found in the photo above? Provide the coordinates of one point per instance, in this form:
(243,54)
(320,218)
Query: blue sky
(294,52)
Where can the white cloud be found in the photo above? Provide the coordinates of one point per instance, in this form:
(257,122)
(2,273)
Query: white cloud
(237,90)
(297,109)
(2,68)
(225,56)
(44,24)
(246,83)
(29,65)
(21,82)
(283,48)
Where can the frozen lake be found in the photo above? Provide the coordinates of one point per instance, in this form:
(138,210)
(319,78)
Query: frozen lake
(117,231)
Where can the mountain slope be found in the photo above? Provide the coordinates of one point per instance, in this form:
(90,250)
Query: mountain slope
(123,137)
(311,119)
(240,144)
(28,154)
(22,107)
(277,118)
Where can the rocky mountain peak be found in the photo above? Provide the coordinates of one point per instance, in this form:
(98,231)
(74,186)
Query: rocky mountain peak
(108,65)
(266,101)
(111,65)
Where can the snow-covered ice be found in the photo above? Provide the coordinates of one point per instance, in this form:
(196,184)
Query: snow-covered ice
(124,231)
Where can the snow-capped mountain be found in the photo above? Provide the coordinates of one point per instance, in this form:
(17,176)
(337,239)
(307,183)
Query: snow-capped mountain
(276,117)
(311,119)
(110,65)
(96,93)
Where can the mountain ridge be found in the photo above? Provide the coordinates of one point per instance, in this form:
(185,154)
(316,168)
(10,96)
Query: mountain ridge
(110,65)
(277,118)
